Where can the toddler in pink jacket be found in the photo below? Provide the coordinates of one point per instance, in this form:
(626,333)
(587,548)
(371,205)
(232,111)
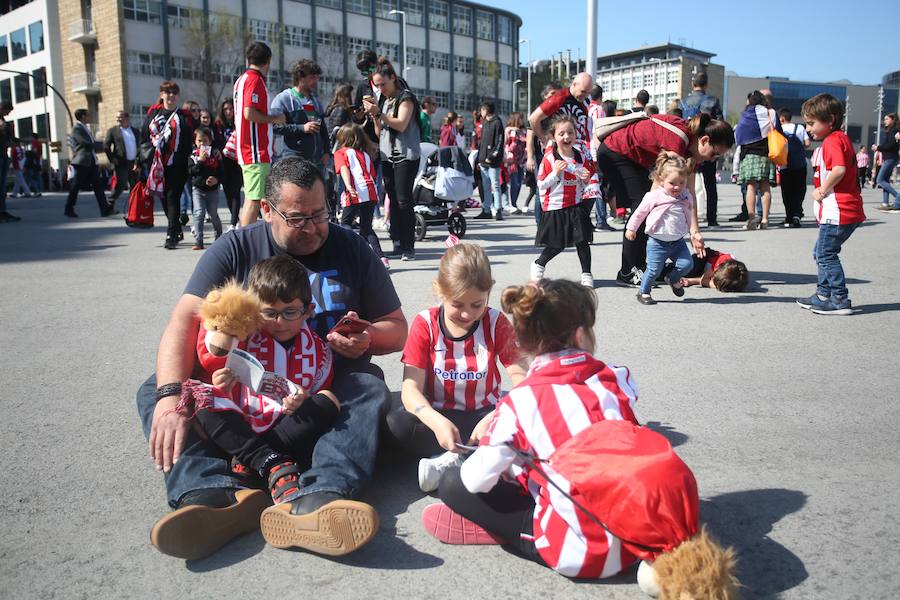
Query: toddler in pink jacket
(667,210)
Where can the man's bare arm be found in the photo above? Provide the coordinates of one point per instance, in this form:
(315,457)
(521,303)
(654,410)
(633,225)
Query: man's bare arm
(535,119)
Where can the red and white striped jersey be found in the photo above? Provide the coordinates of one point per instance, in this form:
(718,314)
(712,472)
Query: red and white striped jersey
(362,175)
(843,205)
(566,190)
(563,394)
(461,373)
(308,364)
(254,140)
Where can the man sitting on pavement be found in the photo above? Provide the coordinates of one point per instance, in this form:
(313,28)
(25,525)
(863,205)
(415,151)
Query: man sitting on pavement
(346,278)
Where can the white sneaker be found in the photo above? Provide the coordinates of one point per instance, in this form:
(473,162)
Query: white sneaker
(587,280)
(537,272)
(431,469)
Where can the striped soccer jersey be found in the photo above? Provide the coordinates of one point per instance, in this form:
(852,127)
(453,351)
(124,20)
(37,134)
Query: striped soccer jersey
(308,364)
(566,190)
(362,175)
(254,140)
(563,394)
(843,205)
(461,373)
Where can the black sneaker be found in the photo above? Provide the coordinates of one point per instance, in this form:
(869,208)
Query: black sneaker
(499,215)
(5,217)
(738,218)
(408,256)
(645,299)
(183,219)
(171,244)
(795,223)
(71,214)
(483,215)
(633,279)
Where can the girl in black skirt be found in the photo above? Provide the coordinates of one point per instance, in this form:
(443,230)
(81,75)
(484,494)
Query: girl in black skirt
(563,173)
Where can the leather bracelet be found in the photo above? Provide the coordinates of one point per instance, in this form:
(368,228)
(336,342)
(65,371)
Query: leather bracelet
(169,389)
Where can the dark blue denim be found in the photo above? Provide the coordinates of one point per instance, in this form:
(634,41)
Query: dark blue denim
(828,262)
(883,180)
(343,459)
(657,253)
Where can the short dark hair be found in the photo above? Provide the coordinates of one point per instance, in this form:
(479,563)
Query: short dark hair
(825,108)
(596,93)
(258,54)
(430,100)
(298,171)
(80,113)
(366,60)
(700,79)
(731,276)
(204,131)
(643,97)
(489,106)
(304,67)
(757,98)
(280,278)
(786,113)
(652,109)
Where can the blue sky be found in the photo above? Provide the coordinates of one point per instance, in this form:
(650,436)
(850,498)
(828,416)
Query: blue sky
(790,47)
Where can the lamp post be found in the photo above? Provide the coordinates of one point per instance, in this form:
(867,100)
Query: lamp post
(516,94)
(402,14)
(529,71)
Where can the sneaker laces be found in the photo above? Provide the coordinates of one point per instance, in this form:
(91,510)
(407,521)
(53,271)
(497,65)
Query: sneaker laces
(636,275)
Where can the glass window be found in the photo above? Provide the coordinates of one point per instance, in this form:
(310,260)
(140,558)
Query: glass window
(462,64)
(363,7)
(416,57)
(440,60)
(264,31)
(636,81)
(17,41)
(328,39)
(648,79)
(39,81)
(391,51)
(297,36)
(329,3)
(179,16)
(144,63)
(354,45)
(504,29)
(442,99)
(462,102)
(487,68)
(23,127)
(438,12)
(383,9)
(144,11)
(485,24)
(672,76)
(507,72)
(462,20)
(42,126)
(6,90)
(36,33)
(23,88)
(414,11)
(4,49)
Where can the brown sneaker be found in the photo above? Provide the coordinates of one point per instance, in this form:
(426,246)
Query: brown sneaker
(335,529)
(196,531)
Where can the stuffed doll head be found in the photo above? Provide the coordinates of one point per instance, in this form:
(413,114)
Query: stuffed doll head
(232,314)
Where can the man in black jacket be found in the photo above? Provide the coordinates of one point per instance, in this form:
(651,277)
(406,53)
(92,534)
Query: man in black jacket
(490,157)
(121,146)
(698,101)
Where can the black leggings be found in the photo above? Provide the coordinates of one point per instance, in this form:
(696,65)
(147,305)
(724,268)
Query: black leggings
(232,181)
(584,256)
(365,211)
(398,184)
(292,438)
(630,182)
(405,431)
(505,511)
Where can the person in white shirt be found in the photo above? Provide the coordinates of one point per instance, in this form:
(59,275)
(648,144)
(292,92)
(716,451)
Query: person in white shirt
(121,147)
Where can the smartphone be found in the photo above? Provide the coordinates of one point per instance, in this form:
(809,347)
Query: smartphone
(348,325)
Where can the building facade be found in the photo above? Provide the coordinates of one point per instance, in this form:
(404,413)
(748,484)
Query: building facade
(664,71)
(459,52)
(861,101)
(30,58)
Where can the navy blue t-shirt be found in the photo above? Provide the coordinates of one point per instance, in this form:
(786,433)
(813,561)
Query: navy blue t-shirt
(344,273)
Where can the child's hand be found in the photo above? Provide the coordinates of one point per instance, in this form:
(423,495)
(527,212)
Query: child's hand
(559,166)
(292,403)
(584,175)
(481,428)
(224,379)
(446,433)
(818,194)
(212,181)
(630,235)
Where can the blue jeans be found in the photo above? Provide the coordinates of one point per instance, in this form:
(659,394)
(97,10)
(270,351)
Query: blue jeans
(828,262)
(492,190)
(884,181)
(206,202)
(657,253)
(515,184)
(185,204)
(343,459)
(600,210)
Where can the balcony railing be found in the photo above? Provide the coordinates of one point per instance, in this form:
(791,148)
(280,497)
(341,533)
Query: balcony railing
(82,31)
(85,83)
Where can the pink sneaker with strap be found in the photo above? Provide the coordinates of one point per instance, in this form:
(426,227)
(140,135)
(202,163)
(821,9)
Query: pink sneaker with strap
(452,528)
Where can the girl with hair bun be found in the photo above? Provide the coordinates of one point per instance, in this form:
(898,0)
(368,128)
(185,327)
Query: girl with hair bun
(636,500)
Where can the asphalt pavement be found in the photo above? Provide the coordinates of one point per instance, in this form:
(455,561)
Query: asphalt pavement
(788,419)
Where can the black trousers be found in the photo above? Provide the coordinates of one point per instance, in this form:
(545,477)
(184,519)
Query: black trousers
(630,182)
(174,177)
(708,170)
(398,183)
(793,191)
(87,176)
(405,431)
(365,211)
(232,181)
(292,438)
(125,178)
(505,511)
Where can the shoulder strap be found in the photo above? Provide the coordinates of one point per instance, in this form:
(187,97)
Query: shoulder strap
(672,128)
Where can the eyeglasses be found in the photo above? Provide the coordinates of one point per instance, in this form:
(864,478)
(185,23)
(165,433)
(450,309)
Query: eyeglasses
(288,314)
(300,222)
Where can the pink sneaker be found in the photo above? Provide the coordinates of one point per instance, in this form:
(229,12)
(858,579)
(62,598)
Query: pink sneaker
(447,526)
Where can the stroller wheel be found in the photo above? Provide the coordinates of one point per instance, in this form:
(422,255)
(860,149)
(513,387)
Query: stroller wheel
(456,223)
(421,227)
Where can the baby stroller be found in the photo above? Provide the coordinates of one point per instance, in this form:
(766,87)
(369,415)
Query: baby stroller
(442,187)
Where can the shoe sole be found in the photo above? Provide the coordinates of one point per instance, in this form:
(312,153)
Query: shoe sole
(839,312)
(197,531)
(451,528)
(338,528)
